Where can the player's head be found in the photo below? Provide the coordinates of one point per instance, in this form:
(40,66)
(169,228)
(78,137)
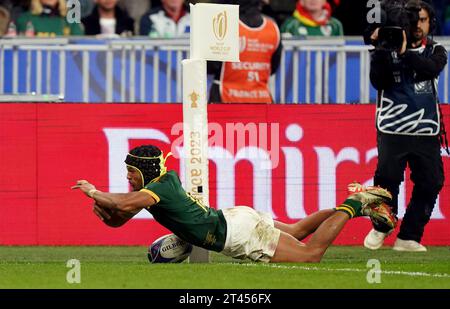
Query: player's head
(144,164)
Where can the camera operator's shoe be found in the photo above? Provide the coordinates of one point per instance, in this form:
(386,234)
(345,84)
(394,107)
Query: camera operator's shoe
(365,202)
(374,240)
(408,246)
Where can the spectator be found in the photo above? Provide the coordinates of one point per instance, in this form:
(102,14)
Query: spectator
(107,19)
(312,17)
(260,54)
(47,18)
(171,19)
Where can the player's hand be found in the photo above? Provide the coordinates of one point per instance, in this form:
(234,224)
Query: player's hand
(404,44)
(101,212)
(85,186)
(374,36)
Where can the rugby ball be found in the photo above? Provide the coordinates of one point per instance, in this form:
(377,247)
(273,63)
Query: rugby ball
(169,249)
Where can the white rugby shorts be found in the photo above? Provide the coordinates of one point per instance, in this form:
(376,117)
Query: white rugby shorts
(250,234)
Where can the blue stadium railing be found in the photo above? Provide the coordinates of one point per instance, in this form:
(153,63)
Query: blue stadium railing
(142,70)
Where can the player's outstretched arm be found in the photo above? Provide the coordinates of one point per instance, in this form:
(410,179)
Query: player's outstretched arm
(126,202)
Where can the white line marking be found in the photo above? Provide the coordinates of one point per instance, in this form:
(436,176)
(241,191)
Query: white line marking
(386,272)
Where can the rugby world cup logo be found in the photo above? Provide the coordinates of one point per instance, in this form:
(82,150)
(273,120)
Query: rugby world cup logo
(220,24)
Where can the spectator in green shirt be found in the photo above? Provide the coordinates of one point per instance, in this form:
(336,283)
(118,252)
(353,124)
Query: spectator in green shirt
(312,17)
(47,18)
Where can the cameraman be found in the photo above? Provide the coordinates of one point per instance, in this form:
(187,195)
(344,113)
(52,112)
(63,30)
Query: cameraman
(408,127)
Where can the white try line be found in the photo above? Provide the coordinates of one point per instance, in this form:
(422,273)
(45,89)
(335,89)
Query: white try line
(386,272)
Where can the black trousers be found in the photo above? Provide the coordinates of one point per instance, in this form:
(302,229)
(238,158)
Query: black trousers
(423,156)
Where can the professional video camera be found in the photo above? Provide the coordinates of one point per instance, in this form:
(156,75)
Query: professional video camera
(396,16)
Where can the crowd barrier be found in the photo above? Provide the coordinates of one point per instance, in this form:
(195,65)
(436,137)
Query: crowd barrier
(288,160)
(144,70)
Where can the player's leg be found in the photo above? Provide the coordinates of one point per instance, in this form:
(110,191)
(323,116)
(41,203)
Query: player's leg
(306,226)
(253,234)
(290,249)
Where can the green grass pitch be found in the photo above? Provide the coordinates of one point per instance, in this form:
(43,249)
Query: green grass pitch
(128,267)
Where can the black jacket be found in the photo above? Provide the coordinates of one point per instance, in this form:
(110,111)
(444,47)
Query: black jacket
(425,68)
(124,22)
(407,89)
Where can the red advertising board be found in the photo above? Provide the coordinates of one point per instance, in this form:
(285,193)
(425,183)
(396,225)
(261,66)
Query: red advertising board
(290,160)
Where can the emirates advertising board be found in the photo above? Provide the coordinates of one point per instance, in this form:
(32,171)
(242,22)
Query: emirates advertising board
(288,160)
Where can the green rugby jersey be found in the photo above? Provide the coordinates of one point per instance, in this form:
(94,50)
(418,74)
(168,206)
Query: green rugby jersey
(186,217)
(48,26)
(296,28)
